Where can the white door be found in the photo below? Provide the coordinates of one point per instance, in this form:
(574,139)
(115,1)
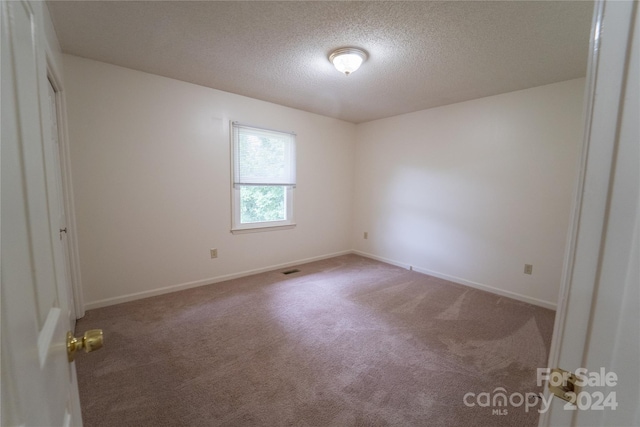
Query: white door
(598,319)
(38,383)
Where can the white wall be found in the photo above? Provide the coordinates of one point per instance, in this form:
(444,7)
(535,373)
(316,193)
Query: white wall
(151,167)
(472,191)
(469,192)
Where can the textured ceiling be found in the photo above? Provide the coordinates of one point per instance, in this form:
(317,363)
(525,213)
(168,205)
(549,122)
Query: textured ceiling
(422,54)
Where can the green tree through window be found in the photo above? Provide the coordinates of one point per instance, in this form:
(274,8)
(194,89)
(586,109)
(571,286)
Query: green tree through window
(262,203)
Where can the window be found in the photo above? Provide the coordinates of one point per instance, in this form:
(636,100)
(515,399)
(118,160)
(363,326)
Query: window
(264,177)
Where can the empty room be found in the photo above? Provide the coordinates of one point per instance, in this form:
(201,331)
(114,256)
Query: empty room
(255,213)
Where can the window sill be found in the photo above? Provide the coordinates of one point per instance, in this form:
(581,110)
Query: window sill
(259,229)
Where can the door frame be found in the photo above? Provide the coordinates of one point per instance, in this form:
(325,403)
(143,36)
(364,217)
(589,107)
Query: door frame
(54,76)
(603,101)
(574,224)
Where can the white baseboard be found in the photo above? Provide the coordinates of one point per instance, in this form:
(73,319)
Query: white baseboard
(524,298)
(179,287)
(208,281)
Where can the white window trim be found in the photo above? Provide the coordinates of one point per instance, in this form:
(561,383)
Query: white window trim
(262,228)
(236,226)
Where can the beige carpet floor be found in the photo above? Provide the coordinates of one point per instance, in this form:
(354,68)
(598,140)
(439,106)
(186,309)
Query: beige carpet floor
(346,341)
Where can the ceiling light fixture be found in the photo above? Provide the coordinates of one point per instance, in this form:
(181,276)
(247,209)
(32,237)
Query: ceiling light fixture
(347,59)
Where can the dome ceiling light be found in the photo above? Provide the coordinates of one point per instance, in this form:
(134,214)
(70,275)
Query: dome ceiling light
(347,59)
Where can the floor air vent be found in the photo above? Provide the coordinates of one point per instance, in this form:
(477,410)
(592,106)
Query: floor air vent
(295,270)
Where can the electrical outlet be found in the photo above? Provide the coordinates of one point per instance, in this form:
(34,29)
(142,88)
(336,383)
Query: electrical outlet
(366,235)
(528,269)
(214,253)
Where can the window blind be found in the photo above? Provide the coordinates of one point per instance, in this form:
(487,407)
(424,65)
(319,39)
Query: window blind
(263,157)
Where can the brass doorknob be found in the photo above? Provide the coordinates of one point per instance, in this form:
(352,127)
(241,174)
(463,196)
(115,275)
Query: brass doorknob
(91,340)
